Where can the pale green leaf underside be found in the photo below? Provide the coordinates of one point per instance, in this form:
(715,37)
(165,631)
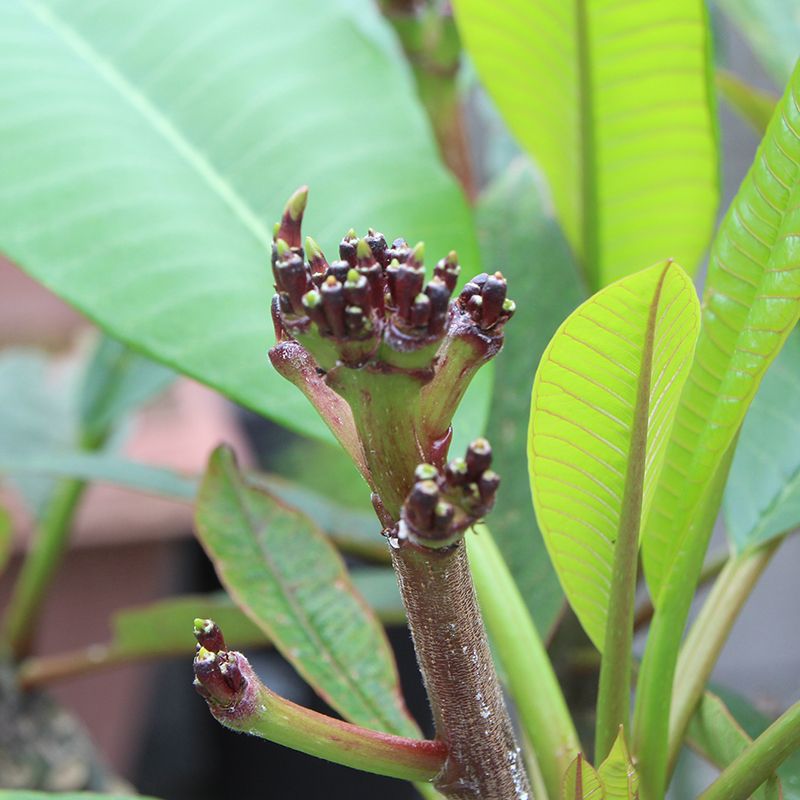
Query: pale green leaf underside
(750,305)
(617,773)
(612,99)
(762,498)
(146,150)
(582,416)
(292,583)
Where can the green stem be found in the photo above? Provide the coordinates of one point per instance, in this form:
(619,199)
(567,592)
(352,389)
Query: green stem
(49,543)
(263,713)
(708,635)
(657,671)
(532,682)
(759,760)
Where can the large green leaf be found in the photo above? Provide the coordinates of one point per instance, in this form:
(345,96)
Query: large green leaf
(613,100)
(518,235)
(772,28)
(146,152)
(751,303)
(762,498)
(292,583)
(718,737)
(603,402)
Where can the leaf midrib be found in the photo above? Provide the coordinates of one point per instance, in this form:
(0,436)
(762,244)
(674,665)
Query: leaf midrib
(588,165)
(297,610)
(183,147)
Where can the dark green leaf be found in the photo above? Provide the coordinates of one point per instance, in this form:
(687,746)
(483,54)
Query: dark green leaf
(145,160)
(288,578)
(519,237)
(762,497)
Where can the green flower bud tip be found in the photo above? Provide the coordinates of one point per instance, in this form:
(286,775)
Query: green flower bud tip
(509,306)
(452,258)
(352,275)
(313,250)
(351,234)
(426,472)
(418,253)
(202,626)
(297,203)
(275,230)
(283,248)
(311,299)
(363,250)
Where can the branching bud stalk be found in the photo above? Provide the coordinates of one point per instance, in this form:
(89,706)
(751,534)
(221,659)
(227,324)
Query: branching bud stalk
(385,355)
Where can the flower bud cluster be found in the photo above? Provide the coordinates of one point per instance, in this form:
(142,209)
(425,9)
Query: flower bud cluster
(373,293)
(442,504)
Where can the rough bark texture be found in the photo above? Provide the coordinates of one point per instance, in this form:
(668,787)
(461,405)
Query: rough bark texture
(484,762)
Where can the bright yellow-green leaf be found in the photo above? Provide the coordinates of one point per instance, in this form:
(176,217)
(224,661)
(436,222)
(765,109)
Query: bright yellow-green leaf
(581,782)
(750,305)
(617,773)
(638,332)
(613,100)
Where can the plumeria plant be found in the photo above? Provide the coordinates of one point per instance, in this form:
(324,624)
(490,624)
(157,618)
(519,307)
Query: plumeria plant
(646,407)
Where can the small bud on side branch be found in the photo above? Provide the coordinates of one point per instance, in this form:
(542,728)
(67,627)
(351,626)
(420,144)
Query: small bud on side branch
(239,700)
(442,505)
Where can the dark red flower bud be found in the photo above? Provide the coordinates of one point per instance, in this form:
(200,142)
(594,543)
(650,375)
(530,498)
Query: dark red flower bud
(448,270)
(316,260)
(479,458)
(494,295)
(439,295)
(289,227)
(420,313)
(377,243)
(488,484)
(347,248)
(333,305)
(208,635)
